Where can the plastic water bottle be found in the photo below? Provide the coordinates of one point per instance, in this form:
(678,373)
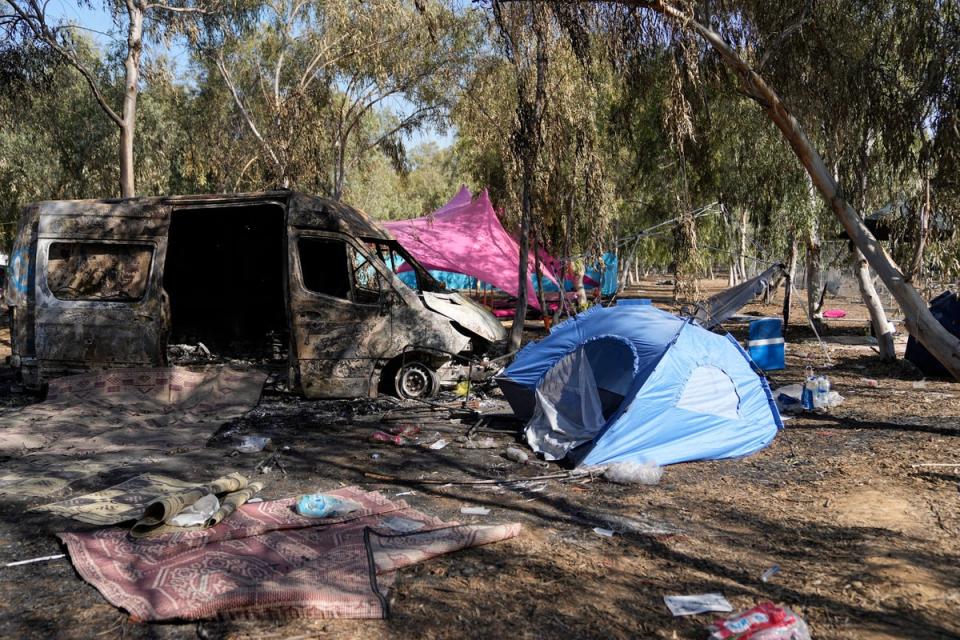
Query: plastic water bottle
(809,390)
(823,390)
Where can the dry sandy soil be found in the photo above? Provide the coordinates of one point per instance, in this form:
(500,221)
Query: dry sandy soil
(866,541)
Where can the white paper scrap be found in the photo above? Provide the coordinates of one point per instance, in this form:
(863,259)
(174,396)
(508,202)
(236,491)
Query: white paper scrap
(606,533)
(439,444)
(474,511)
(698,603)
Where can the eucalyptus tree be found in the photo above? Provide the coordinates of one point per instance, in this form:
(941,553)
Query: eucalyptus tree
(309,77)
(920,321)
(26,22)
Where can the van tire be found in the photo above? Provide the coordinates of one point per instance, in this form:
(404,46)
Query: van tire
(415,380)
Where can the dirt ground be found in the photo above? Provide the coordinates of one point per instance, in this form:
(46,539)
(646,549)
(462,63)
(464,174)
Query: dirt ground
(867,542)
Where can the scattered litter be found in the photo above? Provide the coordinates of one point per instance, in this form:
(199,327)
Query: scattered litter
(769,573)
(406,493)
(517,455)
(649,526)
(375,456)
(402,525)
(766,621)
(319,505)
(462,388)
(482,443)
(474,511)
(699,603)
(633,473)
(405,429)
(439,444)
(32,560)
(380,436)
(252,444)
(788,397)
(197,513)
(606,533)
(869,382)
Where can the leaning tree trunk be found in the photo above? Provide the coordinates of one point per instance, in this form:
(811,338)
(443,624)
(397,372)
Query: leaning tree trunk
(944,346)
(878,317)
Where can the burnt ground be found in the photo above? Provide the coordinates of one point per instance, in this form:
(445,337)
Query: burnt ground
(866,541)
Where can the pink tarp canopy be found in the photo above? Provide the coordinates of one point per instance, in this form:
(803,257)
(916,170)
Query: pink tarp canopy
(465,236)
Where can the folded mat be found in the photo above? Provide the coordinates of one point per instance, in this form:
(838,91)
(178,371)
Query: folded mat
(267,560)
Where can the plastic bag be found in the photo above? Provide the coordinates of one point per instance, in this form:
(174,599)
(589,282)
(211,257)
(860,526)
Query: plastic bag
(197,513)
(633,473)
(319,505)
(766,621)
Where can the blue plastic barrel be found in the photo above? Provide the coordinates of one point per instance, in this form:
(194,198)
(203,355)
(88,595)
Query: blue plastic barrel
(766,343)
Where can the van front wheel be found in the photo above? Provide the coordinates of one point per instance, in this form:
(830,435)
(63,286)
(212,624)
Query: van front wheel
(415,380)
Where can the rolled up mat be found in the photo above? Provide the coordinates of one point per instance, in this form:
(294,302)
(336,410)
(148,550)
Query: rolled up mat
(163,509)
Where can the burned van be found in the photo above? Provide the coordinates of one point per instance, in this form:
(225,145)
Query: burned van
(272,277)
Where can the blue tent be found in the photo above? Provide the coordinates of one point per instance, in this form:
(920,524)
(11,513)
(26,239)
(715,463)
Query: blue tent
(607,279)
(633,382)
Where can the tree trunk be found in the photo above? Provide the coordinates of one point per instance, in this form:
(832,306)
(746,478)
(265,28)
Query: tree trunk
(742,248)
(541,297)
(788,282)
(526,206)
(578,285)
(527,148)
(813,276)
(944,346)
(131,89)
(920,241)
(878,317)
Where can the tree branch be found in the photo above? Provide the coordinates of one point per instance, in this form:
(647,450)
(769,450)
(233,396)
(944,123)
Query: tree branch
(243,110)
(41,31)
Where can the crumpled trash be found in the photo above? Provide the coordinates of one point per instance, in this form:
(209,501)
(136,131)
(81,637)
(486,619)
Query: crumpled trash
(697,603)
(252,444)
(439,444)
(320,505)
(394,439)
(517,455)
(197,513)
(633,473)
(482,443)
(403,429)
(788,398)
(766,621)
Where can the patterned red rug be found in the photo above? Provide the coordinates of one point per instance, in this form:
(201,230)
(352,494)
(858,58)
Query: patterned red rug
(268,561)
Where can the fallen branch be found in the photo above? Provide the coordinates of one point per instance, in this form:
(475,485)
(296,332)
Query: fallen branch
(549,476)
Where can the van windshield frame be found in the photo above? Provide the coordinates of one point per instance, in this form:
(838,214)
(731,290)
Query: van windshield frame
(388,251)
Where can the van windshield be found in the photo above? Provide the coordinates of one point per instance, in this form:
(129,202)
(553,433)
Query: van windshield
(406,268)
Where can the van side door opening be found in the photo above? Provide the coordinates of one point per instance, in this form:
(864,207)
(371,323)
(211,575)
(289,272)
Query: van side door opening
(224,276)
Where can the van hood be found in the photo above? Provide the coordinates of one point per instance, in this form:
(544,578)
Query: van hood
(467,313)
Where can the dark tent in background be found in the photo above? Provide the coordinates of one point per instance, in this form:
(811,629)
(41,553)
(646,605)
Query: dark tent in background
(946,309)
